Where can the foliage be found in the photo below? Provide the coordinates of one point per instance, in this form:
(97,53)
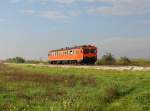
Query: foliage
(16,60)
(33,61)
(107,59)
(124,61)
(140,62)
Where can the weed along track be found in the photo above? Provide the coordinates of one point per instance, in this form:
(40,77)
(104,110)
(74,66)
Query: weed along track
(34,88)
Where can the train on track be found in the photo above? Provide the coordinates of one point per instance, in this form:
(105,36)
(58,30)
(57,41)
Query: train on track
(84,54)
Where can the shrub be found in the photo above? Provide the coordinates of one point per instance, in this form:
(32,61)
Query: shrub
(33,61)
(107,59)
(16,60)
(124,61)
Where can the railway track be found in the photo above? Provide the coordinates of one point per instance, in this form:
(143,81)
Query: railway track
(117,68)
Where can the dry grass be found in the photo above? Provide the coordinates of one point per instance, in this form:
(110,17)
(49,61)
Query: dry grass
(2,66)
(65,80)
(110,94)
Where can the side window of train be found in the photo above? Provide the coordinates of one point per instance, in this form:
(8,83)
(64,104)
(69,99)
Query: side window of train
(64,53)
(55,53)
(71,52)
(76,51)
(68,52)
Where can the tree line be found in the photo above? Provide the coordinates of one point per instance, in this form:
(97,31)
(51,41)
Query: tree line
(109,59)
(22,60)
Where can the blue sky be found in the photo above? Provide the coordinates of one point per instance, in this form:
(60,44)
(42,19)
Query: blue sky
(30,28)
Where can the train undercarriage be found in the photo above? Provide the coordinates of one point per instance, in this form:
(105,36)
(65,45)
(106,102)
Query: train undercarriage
(83,61)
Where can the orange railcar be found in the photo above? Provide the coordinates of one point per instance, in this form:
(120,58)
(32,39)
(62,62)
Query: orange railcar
(85,54)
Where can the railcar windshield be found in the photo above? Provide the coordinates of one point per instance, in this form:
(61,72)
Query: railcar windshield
(86,51)
(93,50)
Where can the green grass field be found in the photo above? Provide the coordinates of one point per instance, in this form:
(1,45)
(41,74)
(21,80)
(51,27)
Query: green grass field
(30,88)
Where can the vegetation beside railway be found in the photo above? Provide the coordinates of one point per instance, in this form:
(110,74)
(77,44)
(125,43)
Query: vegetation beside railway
(107,59)
(33,88)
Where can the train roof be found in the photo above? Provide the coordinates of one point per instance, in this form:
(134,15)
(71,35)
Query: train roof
(69,48)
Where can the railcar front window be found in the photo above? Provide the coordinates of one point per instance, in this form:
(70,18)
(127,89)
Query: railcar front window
(93,51)
(86,51)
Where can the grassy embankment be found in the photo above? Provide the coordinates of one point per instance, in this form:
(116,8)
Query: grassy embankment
(29,88)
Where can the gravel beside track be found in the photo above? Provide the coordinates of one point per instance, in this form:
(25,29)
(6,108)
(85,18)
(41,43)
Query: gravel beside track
(118,68)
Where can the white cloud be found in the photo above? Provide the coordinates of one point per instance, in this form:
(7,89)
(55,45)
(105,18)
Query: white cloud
(123,7)
(64,1)
(113,7)
(28,12)
(52,15)
(2,20)
(15,1)
(75,13)
(45,1)
(106,7)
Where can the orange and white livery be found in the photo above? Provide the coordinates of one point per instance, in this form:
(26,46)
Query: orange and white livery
(85,54)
